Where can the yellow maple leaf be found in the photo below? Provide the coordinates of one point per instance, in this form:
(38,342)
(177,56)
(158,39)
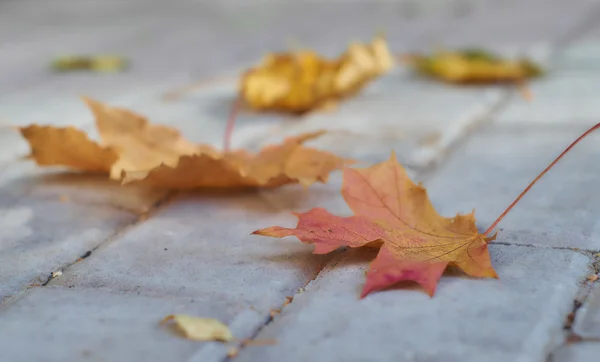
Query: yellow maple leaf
(301,81)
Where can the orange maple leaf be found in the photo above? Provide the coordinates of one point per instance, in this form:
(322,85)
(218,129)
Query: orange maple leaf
(134,150)
(395,215)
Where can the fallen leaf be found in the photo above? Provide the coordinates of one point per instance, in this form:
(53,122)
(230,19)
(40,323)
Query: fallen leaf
(474,66)
(394,214)
(274,166)
(133,150)
(54,146)
(301,81)
(200,329)
(592,278)
(100,63)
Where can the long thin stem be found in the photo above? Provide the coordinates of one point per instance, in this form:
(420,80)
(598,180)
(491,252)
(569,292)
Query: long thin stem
(585,134)
(235,109)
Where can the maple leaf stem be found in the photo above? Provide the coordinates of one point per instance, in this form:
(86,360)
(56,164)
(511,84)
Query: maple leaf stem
(585,134)
(235,109)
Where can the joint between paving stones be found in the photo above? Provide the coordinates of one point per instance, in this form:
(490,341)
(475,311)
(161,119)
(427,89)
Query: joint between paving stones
(10,299)
(481,121)
(583,294)
(585,25)
(588,252)
(273,313)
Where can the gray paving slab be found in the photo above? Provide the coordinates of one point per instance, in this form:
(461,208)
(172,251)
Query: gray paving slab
(419,119)
(24,179)
(583,56)
(40,237)
(587,320)
(492,168)
(579,352)
(198,247)
(201,245)
(516,318)
(560,98)
(75,324)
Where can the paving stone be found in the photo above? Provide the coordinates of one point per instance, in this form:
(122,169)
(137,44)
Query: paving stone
(557,99)
(516,318)
(200,244)
(26,179)
(40,237)
(491,169)
(510,22)
(418,118)
(582,56)
(587,319)
(99,325)
(578,352)
(12,143)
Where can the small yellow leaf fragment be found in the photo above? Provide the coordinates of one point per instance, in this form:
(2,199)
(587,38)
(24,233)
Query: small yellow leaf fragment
(100,63)
(200,329)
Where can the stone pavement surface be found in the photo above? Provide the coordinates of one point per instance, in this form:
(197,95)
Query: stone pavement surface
(131,255)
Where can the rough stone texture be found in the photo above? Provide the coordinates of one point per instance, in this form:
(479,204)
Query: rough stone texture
(587,322)
(490,170)
(580,352)
(516,318)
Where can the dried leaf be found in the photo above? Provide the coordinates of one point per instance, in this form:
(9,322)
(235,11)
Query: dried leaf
(471,66)
(200,329)
(302,81)
(134,150)
(54,146)
(100,63)
(394,214)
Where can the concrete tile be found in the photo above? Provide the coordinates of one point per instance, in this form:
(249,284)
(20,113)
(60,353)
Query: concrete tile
(419,118)
(200,244)
(25,179)
(583,56)
(578,352)
(587,319)
(508,21)
(98,325)
(40,237)
(559,98)
(490,170)
(516,318)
